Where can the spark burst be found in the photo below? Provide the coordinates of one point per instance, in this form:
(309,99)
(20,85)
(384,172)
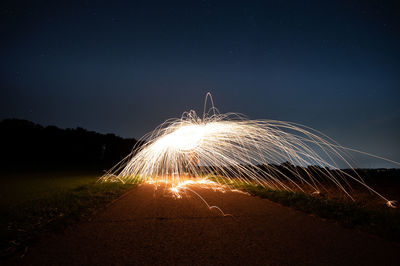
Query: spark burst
(273,154)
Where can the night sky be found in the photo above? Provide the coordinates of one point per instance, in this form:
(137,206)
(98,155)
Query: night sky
(124,67)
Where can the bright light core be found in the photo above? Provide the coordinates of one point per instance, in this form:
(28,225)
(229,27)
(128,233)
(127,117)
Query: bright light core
(185,138)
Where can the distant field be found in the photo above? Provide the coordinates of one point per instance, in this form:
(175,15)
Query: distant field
(34,203)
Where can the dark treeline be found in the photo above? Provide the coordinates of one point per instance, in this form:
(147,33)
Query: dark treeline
(28,145)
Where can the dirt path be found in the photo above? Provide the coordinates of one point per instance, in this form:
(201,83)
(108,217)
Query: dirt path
(150,227)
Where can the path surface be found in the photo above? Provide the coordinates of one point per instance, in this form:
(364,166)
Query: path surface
(150,227)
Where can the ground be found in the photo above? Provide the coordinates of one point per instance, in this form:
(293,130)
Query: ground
(35,202)
(148,226)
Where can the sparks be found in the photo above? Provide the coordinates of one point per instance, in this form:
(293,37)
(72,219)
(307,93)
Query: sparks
(270,153)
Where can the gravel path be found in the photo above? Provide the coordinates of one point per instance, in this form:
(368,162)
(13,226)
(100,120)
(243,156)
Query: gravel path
(150,227)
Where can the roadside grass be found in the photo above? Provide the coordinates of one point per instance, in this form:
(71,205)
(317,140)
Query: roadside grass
(381,221)
(34,204)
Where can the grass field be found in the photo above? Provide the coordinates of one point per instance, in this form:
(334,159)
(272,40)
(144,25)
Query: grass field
(364,213)
(32,204)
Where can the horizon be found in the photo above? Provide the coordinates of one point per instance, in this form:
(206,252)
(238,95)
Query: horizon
(393,167)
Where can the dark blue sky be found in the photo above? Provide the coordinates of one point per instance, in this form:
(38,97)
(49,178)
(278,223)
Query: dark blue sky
(126,66)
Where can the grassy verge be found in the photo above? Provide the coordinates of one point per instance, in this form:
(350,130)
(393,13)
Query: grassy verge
(382,221)
(31,205)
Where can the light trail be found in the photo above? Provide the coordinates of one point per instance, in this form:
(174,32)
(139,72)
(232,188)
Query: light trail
(273,154)
(202,183)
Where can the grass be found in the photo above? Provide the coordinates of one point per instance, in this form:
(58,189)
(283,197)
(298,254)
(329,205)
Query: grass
(33,204)
(381,221)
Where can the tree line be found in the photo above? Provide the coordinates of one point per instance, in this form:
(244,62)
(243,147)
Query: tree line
(27,144)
